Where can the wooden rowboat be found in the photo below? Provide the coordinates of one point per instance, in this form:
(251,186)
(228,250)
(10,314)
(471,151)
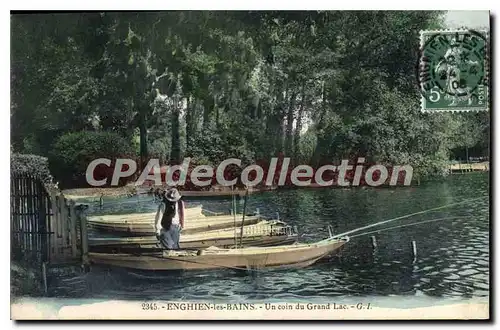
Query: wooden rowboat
(287,256)
(264,233)
(192,225)
(147,216)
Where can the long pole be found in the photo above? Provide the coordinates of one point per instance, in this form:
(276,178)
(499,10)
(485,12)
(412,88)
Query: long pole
(466,144)
(233,202)
(243,218)
(405,216)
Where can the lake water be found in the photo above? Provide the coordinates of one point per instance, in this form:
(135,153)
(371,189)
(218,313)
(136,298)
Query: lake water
(452,259)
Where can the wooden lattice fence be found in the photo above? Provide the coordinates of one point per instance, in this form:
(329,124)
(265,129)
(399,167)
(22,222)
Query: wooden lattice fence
(45,226)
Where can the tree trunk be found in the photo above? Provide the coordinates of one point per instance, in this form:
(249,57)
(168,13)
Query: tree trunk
(298,127)
(217,114)
(259,110)
(289,126)
(190,115)
(175,153)
(279,114)
(143,135)
(322,143)
(207,112)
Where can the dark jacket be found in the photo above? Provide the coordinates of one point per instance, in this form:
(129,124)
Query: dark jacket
(168,215)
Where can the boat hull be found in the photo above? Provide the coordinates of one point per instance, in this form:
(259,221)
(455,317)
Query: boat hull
(192,212)
(264,233)
(290,256)
(193,225)
(223,243)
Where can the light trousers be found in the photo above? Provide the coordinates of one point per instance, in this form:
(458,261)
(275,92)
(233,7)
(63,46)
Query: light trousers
(170,238)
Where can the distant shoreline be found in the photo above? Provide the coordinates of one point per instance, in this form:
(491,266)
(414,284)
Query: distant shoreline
(94,194)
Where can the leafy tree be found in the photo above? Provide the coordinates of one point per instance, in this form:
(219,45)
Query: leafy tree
(73,152)
(316,86)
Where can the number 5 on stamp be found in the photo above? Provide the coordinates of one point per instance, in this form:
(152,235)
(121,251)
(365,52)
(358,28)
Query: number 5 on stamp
(434,95)
(453,70)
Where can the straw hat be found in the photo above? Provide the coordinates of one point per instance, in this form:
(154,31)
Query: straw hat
(172,195)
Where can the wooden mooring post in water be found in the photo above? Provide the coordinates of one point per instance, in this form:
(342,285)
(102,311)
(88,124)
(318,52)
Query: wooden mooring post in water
(414,250)
(84,237)
(413,246)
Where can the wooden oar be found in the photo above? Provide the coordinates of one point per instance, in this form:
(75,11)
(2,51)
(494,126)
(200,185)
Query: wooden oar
(243,218)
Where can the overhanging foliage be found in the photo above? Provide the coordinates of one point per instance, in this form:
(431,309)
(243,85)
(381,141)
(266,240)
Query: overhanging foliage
(315,86)
(30,165)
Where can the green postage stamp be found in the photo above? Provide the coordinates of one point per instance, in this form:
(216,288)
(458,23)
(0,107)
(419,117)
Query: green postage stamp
(453,70)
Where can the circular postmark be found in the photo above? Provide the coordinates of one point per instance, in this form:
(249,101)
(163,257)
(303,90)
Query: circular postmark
(451,68)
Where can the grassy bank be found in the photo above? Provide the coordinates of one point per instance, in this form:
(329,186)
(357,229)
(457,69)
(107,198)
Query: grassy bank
(25,280)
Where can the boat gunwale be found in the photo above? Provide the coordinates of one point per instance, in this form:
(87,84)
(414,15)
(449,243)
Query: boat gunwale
(228,252)
(306,262)
(149,221)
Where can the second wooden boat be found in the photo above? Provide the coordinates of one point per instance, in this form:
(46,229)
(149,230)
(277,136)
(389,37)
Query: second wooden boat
(189,212)
(192,225)
(264,233)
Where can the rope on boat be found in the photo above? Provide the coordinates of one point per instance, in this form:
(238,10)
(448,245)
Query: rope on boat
(408,225)
(403,217)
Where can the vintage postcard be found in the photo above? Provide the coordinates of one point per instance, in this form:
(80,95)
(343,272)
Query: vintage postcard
(250,165)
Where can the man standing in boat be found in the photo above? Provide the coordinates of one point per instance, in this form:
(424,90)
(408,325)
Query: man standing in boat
(170,219)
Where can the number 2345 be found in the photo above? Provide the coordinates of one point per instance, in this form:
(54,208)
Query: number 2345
(149,306)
